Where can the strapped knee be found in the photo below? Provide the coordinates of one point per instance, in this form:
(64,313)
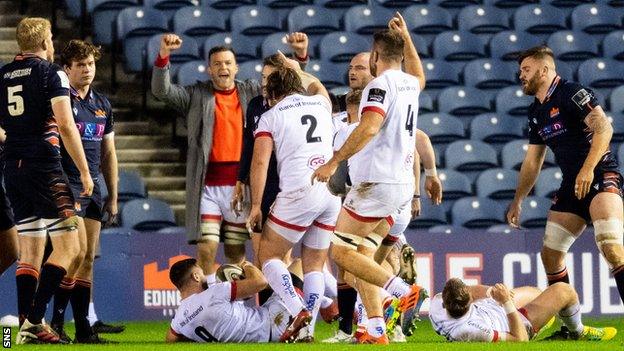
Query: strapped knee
(557,237)
(32,227)
(350,241)
(373,241)
(608,232)
(235,234)
(60,226)
(211,231)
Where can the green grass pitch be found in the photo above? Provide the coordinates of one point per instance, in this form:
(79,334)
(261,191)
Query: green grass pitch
(150,336)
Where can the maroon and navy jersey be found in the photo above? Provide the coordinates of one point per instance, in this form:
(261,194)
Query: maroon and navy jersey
(27,86)
(94,118)
(559,123)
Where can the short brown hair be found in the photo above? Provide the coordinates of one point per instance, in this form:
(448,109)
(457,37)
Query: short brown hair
(283,82)
(354,97)
(31,32)
(78,50)
(390,45)
(537,52)
(273,61)
(456,298)
(180,272)
(220,48)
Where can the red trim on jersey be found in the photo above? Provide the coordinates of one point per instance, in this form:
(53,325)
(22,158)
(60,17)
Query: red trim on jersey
(210,218)
(362,218)
(263,134)
(286,224)
(495,338)
(302,59)
(390,220)
(161,62)
(324,226)
(233,291)
(375,109)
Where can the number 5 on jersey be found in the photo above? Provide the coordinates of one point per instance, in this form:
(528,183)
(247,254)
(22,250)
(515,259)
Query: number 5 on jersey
(16,102)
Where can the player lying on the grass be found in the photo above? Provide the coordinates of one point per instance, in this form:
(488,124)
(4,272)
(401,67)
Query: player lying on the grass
(490,314)
(217,314)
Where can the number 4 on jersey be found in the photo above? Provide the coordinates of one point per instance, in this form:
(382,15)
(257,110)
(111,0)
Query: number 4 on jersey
(409,123)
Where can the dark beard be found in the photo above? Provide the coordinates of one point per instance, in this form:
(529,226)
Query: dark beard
(532,86)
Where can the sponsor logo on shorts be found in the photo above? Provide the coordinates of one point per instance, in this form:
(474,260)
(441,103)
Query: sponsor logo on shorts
(316,161)
(376,95)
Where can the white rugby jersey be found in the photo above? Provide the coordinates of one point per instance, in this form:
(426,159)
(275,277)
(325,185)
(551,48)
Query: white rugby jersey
(302,131)
(389,155)
(484,321)
(214,316)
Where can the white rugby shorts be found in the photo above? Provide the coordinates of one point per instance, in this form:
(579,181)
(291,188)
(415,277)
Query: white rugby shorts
(370,202)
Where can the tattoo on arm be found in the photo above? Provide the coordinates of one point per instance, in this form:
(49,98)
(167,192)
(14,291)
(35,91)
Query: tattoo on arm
(597,122)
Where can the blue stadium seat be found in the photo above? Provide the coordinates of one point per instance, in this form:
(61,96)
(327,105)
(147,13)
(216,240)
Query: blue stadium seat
(169,7)
(617,121)
(422,46)
(567,4)
(430,215)
(131,186)
(250,70)
(507,45)
(395,4)
(441,74)
(514,151)
(470,155)
(573,46)
(458,46)
(508,4)
(427,19)
(497,183)
(102,184)
(342,46)
(135,25)
(281,4)
(502,229)
(612,3)
(331,74)
(74,8)
(620,155)
(446,229)
(340,3)
(548,182)
(254,20)
(312,20)
(173,230)
(512,101)
(199,22)
(454,4)
(538,19)
(600,73)
(595,19)
(613,45)
(191,72)
(463,101)
(534,212)
(565,70)
(147,215)
(103,16)
(244,47)
(490,74)
(496,129)
(481,19)
(227,4)
(425,102)
(274,42)
(477,212)
(455,185)
(441,127)
(189,51)
(616,100)
(367,20)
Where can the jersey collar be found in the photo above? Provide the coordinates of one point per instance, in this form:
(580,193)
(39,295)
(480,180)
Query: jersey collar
(75,94)
(20,57)
(552,87)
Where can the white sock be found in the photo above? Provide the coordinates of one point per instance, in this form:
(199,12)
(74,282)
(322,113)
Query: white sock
(376,327)
(326,302)
(331,285)
(361,311)
(92,317)
(571,317)
(313,287)
(211,279)
(397,287)
(384,294)
(280,281)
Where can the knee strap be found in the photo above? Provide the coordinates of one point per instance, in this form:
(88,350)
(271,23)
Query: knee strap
(557,237)
(350,241)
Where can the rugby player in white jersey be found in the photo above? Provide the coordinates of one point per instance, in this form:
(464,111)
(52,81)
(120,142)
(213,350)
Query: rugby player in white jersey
(490,314)
(299,128)
(381,157)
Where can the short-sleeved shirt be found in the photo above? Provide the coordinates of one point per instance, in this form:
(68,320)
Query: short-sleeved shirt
(214,316)
(302,132)
(559,123)
(27,86)
(389,156)
(94,119)
(484,321)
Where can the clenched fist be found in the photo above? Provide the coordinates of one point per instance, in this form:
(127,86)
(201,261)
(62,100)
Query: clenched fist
(169,43)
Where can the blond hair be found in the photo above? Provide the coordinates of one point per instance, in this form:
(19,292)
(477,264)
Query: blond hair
(32,32)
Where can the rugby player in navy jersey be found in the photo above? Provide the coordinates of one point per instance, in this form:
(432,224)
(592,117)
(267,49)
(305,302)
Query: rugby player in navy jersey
(93,116)
(566,117)
(8,231)
(36,111)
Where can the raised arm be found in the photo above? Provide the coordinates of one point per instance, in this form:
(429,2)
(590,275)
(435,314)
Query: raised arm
(411,63)
(162,88)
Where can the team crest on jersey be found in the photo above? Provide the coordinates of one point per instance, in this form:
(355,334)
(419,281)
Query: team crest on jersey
(554,112)
(279,318)
(100,114)
(316,161)
(376,95)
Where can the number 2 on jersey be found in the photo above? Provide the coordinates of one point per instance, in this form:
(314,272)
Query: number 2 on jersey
(409,123)
(16,102)
(305,119)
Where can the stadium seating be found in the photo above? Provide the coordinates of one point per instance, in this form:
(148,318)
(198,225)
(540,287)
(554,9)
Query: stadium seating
(441,74)
(342,46)
(131,186)
(501,229)
(397,3)
(340,3)
(425,103)
(595,19)
(565,70)
(446,229)
(620,155)
(173,230)
(189,51)
(274,42)
(476,212)
(513,154)
(441,127)
(191,72)
(534,212)
(199,22)
(430,215)
(312,20)
(538,19)
(507,45)
(104,15)
(135,26)
(74,8)
(497,183)
(463,101)
(331,74)
(169,7)
(455,185)
(458,46)
(548,182)
(243,46)
(227,4)
(616,100)
(147,215)
(495,129)
(613,45)
(254,20)
(512,101)
(423,19)
(250,70)
(508,4)
(470,155)
(617,121)
(479,19)
(454,4)
(572,46)
(366,20)
(277,4)
(490,74)
(601,73)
